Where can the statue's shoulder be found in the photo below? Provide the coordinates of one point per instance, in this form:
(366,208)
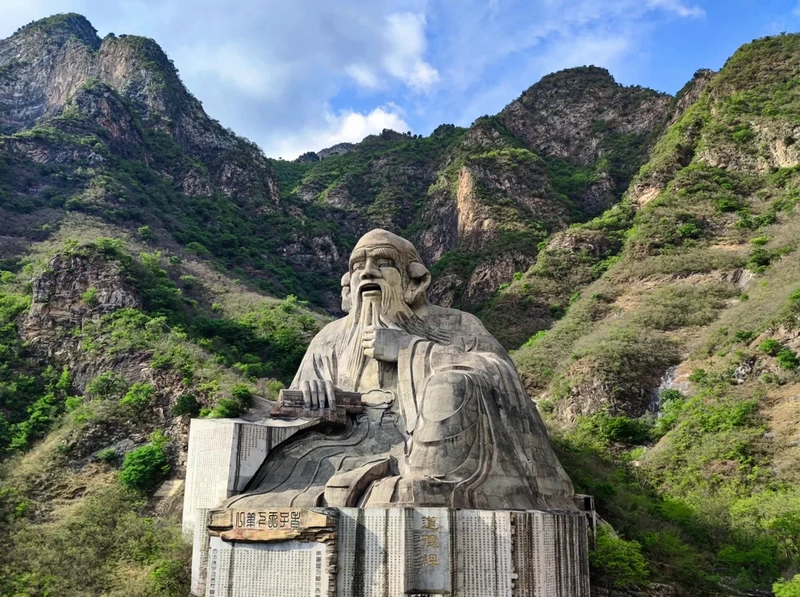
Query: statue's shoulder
(331,332)
(458,321)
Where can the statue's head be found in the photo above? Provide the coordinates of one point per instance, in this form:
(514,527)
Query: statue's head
(383,261)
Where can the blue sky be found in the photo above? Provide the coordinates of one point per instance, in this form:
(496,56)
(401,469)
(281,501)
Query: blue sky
(301,75)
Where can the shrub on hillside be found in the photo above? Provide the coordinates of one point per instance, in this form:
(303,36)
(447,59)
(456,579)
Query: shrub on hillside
(226,408)
(744,336)
(139,395)
(186,404)
(787,588)
(146,233)
(106,385)
(616,562)
(89,297)
(618,428)
(144,467)
(107,455)
(242,394)
(787,358)
(107,543)
(770,346)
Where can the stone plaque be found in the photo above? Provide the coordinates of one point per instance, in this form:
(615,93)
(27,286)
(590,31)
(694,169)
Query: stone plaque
(483,553)
(285,569)
(429,569)
(276,524)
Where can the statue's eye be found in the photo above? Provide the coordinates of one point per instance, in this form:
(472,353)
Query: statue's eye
(385,263)
(358,265)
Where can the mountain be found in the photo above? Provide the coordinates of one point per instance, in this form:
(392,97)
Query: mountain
(477,202)
(140,150)
(636,250)
(671,381)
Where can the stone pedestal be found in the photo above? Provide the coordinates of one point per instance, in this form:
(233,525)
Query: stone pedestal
(379,552)
(224,454)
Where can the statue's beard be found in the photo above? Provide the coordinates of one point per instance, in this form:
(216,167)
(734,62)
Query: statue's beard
(383,308)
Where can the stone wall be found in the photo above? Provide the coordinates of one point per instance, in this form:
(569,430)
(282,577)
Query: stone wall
(375,552)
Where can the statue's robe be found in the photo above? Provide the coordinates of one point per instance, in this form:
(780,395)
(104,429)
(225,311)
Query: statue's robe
(456,429)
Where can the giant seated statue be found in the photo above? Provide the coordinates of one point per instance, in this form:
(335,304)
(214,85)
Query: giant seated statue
(444,420)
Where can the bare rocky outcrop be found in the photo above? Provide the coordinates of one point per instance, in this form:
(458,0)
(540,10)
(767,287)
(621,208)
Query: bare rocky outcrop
(559,116)
(45,65)
(690,93)
(76,287)
(649,184)
(490,273)
(338,149)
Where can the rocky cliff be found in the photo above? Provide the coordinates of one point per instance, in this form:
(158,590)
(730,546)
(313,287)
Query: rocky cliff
(139,149)
(671,379)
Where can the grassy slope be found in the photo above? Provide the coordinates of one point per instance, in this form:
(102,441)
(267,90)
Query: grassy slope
(202,343)
(708,273)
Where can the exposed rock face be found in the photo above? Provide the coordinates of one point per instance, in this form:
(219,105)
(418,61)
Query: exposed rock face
(559,116)
(60,296)
(44,65)
(338,149)
(490,273)
(690,93)
(75,288)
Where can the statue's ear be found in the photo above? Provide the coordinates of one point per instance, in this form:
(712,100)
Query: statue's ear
(347,302)
(419,278)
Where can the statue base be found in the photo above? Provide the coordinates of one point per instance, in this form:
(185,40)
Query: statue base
(380,552)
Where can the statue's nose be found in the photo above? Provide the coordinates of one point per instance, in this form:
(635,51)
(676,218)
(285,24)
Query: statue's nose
(370,271)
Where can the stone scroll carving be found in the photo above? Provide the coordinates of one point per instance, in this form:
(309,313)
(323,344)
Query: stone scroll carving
(443,419)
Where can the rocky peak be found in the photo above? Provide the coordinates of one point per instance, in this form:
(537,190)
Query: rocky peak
(308,157)
(57,30)
(690,93)
(569,114)
(50,64)
(337,149)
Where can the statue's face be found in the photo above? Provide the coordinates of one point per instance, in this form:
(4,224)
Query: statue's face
(385,262)
(375,268)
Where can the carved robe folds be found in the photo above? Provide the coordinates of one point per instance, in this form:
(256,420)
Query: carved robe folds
(446,425)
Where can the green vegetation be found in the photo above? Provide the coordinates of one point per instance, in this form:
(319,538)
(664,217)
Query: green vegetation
(617,563)
(213,351)
(138,396)
(186,404)
(707,488)
(700,495)
(144,467)
(106,385)
(787,588)
(107,543)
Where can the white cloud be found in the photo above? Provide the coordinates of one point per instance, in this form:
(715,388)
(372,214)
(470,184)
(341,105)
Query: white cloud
(302,76)
(678,7)
(402,56)
(232,64)
(346,126)
(362,75)
(406,36)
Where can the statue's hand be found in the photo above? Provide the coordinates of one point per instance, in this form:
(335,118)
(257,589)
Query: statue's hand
(318,393)
(384,344)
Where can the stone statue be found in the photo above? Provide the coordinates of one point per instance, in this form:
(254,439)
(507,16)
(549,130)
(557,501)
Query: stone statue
(445,421)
